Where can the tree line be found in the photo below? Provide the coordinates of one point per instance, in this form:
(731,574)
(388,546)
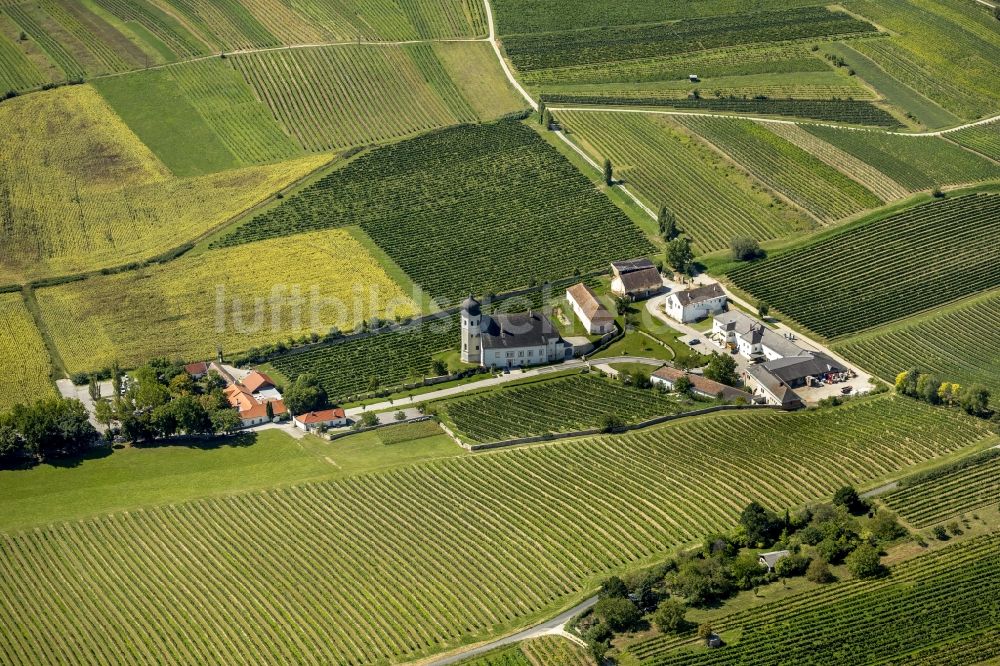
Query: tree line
(974,399)
(846,530)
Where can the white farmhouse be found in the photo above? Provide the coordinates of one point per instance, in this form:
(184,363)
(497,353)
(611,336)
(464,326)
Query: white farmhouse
(595,317)
(326,418)
(751,338)
(509,340)
(694,304)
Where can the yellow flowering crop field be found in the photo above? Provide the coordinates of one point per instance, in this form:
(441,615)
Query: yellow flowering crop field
(24,361)
(79,191)
(237,298)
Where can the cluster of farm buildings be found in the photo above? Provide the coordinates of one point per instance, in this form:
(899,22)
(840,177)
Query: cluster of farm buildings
(775,366)
(257,399)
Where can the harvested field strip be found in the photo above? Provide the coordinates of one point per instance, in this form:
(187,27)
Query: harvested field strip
(880,184)
(917,162)
(786,168)
(665,166)
(465,547)
(927,256)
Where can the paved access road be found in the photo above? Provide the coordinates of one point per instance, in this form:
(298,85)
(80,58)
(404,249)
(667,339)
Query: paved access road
(554,627)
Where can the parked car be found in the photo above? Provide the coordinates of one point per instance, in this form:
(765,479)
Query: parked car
(694,342)
(847,389)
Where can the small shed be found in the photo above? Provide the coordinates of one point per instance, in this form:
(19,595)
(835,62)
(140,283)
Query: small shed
(770,559)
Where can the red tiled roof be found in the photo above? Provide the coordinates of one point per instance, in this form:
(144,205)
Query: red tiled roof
(256,380)
(322,416)
(702,384)
(196,368)
(259,409)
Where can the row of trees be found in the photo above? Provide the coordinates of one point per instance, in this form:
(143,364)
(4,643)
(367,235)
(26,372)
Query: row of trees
(816,538)
(162,401)
(973,399)
(45,431)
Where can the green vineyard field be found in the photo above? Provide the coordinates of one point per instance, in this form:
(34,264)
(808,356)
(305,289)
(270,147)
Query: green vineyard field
(16,71)
(880,271)
(215,122)
(521,16)
(394,565)
(727,61)
(164,35)
(612,44)
(467,194)
(881,185)
(947,50)
(347,368)
(341,96)
(936,609)
(958,343)
(665,166)
(559,405)
(859,112)
(545,651)
(984,139)
(936,496)
(917,162)
(784,167)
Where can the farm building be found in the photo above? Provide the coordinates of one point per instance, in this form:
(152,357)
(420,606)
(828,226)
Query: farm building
(251,396)
(751,338)
(635,278)
(694,304)
(700,385)
(775,380)
(253,411)
(592,314)
(780,365)
(196,370)
(509,340)
(327,418)
(770,559)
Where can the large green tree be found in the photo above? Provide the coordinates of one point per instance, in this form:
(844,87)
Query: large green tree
(305,395)
(679,254)
(722,368)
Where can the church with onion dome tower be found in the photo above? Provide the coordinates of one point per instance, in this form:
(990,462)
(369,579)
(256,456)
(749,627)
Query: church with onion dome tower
(509,340)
